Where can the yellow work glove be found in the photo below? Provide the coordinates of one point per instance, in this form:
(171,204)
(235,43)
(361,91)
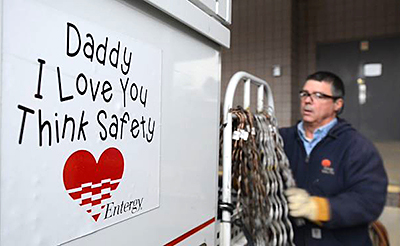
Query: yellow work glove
(301,204)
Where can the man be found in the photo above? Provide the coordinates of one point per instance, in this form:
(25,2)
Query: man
(340,176)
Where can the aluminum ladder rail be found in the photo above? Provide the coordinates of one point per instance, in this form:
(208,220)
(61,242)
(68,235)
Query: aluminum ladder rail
(263,87)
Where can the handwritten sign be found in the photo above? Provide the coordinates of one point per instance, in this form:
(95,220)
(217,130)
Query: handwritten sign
(81,126)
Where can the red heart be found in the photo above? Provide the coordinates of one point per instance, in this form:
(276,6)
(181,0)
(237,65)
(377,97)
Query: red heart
(91,183)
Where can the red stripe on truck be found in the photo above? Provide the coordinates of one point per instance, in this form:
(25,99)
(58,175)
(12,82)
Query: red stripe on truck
(189,233)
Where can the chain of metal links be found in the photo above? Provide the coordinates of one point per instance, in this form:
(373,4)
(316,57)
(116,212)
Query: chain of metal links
(260,174)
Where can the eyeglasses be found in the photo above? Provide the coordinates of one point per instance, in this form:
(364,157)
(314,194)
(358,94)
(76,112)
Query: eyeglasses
(316,95)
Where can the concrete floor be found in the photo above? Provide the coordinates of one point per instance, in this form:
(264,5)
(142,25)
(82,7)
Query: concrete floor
(390,218)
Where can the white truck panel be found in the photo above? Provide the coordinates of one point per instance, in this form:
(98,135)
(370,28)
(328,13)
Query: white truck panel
(189,128)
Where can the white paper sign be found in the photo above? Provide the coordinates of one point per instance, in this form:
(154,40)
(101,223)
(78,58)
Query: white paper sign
(373,69)
(80,126)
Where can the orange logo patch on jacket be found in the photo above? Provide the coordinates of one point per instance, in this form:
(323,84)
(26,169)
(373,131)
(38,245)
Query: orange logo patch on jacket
(326,167)
(326,163)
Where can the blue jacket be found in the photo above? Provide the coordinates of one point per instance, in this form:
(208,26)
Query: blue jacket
(347,169)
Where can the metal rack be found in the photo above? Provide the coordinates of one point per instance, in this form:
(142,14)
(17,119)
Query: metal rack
(263,89)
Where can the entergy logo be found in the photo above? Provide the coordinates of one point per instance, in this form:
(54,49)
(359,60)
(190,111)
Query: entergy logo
(91,183)
(326,167)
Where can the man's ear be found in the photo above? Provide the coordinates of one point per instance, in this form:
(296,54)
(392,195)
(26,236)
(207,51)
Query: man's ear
(338,105)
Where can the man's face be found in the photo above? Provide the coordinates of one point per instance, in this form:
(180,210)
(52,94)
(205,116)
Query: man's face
(318,111)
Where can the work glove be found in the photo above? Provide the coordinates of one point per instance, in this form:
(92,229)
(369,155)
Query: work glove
(301,204)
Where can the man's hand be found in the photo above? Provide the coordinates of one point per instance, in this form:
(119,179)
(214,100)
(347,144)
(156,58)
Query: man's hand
(301,204)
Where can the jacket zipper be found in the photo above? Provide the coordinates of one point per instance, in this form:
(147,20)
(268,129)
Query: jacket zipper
(308,157)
